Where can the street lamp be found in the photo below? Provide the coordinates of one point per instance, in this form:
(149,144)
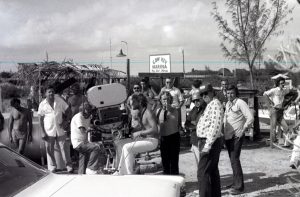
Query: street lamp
(121,54)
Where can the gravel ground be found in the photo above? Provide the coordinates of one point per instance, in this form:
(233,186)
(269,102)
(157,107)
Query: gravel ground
(266,171)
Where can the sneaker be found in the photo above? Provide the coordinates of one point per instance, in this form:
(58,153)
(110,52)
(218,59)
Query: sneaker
(116,173)
(293,166)
(70,169)
(90,171)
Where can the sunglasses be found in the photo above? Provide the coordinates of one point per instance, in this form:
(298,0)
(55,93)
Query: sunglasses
(137,88)
(168,81)
(204,94)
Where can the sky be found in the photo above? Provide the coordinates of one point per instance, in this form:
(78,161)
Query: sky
(91,31)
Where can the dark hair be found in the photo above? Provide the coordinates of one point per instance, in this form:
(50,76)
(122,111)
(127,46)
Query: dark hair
(277,82)
(48,87)
(233,87)
(197,83)
(141,99)
(168,95)
(15,101)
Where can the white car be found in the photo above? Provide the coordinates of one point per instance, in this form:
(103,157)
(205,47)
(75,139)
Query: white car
(22,177)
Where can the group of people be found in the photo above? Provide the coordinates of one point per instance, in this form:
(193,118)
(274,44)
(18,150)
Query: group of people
(215,118)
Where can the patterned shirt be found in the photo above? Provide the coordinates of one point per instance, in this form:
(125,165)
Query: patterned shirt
(210,123)
(237,117)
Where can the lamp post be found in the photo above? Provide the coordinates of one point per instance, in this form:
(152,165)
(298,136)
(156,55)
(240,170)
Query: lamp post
(121,54)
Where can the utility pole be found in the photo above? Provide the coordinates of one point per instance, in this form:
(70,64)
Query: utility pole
(183,67)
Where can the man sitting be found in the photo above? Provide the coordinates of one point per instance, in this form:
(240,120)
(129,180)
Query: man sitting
(144,136)
(88,151)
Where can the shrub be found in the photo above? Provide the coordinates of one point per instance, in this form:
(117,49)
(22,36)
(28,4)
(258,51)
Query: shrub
(9,91)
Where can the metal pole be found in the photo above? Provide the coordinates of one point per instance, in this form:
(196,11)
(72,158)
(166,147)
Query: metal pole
(183,66)
(128,74)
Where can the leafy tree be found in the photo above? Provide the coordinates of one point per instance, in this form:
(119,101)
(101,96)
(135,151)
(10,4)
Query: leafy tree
(251,23)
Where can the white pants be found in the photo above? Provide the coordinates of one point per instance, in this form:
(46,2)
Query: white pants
(129,151)
(196,152)
(295,158)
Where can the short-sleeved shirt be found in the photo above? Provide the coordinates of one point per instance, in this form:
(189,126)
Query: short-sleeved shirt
(77,136)
(53,116)
(276,95)
(176,95)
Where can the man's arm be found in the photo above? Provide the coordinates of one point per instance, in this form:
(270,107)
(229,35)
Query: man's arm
(10,126)
(247,114)
(29,120)
(1,122)
(44,134)
(267,95)
(152,126)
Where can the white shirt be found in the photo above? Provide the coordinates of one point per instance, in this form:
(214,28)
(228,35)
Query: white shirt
(176,95)
(276,95)
(237,117)
(53,116)
(78,137)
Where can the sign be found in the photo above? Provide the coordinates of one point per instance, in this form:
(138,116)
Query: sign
(160,63)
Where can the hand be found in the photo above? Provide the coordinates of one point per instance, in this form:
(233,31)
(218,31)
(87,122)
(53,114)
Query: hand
(29,138)
(239,134)
(136,134)
(44,136)
(10,139)
(204,151)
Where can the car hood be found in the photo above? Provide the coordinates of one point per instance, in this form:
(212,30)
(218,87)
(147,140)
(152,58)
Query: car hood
(56,185)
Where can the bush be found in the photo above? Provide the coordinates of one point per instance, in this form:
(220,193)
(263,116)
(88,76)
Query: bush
(9,91)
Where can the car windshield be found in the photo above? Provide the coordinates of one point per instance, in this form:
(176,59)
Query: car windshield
(16,172)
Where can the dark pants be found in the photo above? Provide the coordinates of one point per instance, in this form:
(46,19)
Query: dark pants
(89,154)
(169,149)
(208,171)
(276,118)
(234,147)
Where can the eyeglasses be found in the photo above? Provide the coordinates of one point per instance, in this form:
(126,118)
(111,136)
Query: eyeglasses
(204,94)
(136,88)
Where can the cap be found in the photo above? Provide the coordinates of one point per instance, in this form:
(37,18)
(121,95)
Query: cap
(196,95)
(206,88)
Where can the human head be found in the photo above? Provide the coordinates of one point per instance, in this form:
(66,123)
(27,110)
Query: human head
(166,99)
(197,99)
(75,89)
(207,92)
(196,83)
(169,83)
(224,84)
(280,82)
(50,92)
(138,101)
(136,88)
(86,109)
(15,102)
(144,84)
(232,92)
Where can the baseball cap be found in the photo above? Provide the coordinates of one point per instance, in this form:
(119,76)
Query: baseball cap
(206,88)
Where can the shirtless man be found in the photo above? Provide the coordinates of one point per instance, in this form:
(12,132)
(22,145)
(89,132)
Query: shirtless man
(20,125)
(144,138)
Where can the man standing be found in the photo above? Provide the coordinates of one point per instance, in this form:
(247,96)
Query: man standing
(144,137)
(238,118)
(148,93)
(192,120)
(88,151)
(210,143)
(52,111)
(167,118)
(275,97)
(222,95)
(20,125)
(177,97)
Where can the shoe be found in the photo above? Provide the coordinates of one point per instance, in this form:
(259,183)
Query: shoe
(70,170)
(227,186)
(54,170)
(90,171)
(116,173)
(293,166)
(236,192)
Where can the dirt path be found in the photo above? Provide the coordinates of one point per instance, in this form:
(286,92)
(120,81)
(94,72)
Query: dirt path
(266,171)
